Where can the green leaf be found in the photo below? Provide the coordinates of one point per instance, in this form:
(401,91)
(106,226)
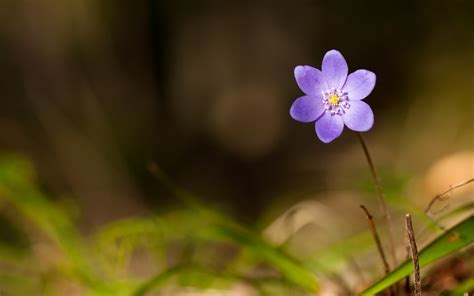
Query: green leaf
(460,236)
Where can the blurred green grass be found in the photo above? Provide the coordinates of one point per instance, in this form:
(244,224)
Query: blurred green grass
(98,264)
(43,250)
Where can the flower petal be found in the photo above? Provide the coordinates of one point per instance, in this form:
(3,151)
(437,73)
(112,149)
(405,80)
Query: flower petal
(359,117)
(329,127)
(359,84)
(309,79)
(307,108)
(334,69)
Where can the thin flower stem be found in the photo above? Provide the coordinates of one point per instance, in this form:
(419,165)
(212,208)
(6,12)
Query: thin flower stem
(414,255)
(378,189)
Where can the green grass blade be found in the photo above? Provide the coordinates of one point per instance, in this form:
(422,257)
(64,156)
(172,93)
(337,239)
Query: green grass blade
(460,236)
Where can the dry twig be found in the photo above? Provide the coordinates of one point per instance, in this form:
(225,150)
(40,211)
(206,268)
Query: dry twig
(373,230)
(444,195)
(414,255)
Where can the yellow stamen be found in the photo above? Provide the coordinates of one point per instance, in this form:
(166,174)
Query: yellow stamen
(334,99)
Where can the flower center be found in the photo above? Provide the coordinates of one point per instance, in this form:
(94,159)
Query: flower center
(335,101)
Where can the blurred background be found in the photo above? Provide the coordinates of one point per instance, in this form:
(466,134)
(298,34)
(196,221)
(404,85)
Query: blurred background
(93,92)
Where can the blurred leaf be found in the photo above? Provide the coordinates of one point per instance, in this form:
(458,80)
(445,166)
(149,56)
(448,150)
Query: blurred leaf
(17,186)
(11,235)
(465,287)
(188,275)
(292,269)
(228,229)
(12,284)
(115,242)
(330,258)
(460,236)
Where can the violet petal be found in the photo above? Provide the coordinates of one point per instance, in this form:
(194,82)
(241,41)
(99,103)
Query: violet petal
(329,127)
(359,117)
(359,84)
(334,68)
(309,80)
(307,108)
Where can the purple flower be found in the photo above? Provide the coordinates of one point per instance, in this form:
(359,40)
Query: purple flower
(332,98)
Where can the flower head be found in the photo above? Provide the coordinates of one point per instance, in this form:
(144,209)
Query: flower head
(332,98)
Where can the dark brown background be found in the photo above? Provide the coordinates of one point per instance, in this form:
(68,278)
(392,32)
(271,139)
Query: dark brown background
(92,91)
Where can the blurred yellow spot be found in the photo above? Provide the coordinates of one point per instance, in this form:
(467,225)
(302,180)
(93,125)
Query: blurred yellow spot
(334,99)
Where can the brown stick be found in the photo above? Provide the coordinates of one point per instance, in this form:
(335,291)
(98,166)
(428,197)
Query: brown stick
(378,189)
(373,230)
(407,279)
(414,254)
